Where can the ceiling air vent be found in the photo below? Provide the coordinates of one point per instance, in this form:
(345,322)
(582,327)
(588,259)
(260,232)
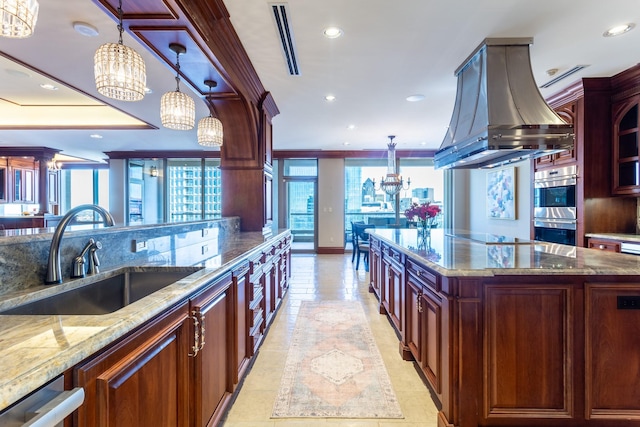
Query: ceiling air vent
(281,18)
(563,75)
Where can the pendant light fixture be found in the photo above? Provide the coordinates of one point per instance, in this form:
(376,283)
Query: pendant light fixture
(177,109)
(18,18)
(119,70)
(210,128)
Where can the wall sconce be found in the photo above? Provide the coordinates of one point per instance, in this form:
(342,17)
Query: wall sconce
(153,172)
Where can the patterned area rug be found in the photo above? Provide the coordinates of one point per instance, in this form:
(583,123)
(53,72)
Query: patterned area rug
(333,367)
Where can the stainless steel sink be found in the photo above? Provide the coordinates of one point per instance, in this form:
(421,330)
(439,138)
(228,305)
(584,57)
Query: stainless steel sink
(103,296)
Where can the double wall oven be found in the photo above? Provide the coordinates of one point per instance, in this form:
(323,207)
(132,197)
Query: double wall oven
(554,205)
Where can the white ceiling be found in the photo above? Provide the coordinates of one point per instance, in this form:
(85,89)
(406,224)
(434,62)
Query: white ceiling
(389,50)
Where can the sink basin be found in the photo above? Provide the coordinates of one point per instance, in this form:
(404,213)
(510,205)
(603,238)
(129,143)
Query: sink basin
(103,296)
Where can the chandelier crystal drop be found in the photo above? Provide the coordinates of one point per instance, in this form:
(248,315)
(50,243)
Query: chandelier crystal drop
(119,70)
(177,109)
(18,17)
(210,132)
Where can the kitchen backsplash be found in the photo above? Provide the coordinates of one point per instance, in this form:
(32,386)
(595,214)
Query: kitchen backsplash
(24,253)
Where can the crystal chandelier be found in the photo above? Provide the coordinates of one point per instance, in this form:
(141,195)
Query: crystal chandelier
(18,17)
(393,183)
(210,128)
(177,109)
(119,70)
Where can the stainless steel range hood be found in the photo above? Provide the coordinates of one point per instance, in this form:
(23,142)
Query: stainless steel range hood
(499,115)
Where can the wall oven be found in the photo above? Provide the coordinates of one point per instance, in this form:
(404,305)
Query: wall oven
(554,205)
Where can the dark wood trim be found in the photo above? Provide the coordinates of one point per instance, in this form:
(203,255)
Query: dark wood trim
(626,83)
(38,153)
(150,154)
(348,154)
(330,251)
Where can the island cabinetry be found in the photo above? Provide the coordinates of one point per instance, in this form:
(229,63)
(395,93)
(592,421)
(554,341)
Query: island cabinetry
(143,380)
(375,261)
(604,244)
(242,295)
(393,286)
(612,349)
(423,328)
(211,355)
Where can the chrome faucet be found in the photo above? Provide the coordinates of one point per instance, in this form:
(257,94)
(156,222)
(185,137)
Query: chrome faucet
(54,273)
(79,262)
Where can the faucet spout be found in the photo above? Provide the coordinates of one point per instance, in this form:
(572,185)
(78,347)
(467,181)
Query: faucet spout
(54,271)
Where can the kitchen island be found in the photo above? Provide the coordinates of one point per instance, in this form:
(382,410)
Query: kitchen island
(510,332)
(153,350)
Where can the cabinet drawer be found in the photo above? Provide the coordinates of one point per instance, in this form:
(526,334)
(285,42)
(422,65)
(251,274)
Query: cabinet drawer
(374,244)
(390,253)
(255,294)
(256,318)
(425,276)
(604,245)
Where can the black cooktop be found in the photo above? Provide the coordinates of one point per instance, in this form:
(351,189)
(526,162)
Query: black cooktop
(491,239)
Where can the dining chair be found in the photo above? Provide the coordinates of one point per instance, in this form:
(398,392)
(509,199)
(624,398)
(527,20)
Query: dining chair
(362,244)
(354,239)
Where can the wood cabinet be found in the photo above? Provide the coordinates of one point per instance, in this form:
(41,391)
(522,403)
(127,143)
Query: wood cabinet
(210,354)
(143,380)
(423,330)
(375,261)
(182,367)
(393,284)
(568,113)
(241,295)
(588,104)
(24,181)
(604,244)
(626,161)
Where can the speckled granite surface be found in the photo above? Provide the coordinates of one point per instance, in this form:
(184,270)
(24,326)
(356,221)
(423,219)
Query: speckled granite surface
(35,349)
(488,255)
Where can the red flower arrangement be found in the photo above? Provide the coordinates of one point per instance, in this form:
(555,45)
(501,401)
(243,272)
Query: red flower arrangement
(424,212)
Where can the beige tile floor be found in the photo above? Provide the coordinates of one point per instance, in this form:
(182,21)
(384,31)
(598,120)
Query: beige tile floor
(327,277)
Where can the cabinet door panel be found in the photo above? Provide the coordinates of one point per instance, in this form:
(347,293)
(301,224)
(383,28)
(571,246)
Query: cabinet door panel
(211,363)
(432,339)
(519,319)
(413,330)
(612,349)
(142,381)
(131,393)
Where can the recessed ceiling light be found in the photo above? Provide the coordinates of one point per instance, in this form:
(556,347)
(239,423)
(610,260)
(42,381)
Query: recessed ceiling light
(95,136)
(346,143)
(148,90)
(618,29)
(332,32)
(423,143)
(351,127)
(85,29)
(415,98)
(48,86)
(330,98)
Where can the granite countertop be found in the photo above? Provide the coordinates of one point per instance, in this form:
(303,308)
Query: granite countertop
(460,253)
(36,349)
(616,236)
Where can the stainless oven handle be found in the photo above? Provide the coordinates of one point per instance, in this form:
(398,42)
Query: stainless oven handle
(555,223)
(57,409)
(560,181)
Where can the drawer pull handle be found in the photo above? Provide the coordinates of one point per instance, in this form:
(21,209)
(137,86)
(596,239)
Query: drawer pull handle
(196,334)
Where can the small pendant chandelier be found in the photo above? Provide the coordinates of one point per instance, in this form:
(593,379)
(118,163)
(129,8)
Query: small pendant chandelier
(177,109)
(210,128)
(393,182)
(18,18)
(119,70)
